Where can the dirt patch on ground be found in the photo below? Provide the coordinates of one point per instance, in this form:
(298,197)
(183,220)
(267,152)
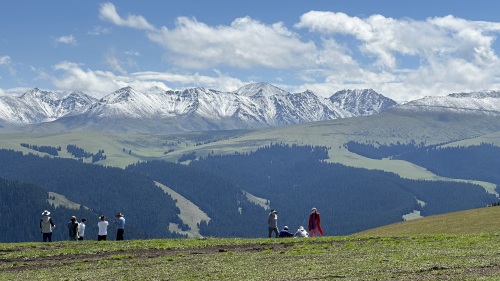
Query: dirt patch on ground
(20,264)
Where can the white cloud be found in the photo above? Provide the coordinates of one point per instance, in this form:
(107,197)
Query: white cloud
(4,60)
(449,54)
(100,83)
(98,30)
(218,82)
(108,12)
(75,78)
(401,58)
(380,36)
(14,91)
(244,44)
(446,37)
(113,62)
(66,39)
(132,53)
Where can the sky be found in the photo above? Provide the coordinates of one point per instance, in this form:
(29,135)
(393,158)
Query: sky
(404,50)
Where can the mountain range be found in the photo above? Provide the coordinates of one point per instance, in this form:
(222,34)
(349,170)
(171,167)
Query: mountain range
(196,109)
(439,154)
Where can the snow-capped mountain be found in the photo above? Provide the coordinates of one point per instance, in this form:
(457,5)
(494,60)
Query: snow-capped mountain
(361,102)
(37,106)
(198,109)
(482,103)
(252,106)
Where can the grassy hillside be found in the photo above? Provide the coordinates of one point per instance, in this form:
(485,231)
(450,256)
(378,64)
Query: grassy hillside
(455,246)
(422,257)
(123,150)
(389,127)
(476,221)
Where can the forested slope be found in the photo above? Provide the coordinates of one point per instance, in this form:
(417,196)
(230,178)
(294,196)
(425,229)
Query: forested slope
(105,190)
(232,215)
(294,179)
(21,209)
(476,162)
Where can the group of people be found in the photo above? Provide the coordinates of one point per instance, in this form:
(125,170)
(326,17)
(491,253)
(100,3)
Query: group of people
(76,230)
(314,226)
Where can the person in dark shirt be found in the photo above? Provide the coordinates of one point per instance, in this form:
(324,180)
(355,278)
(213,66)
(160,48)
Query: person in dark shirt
(73,229)
(285,233)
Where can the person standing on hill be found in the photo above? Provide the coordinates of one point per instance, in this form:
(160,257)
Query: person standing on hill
(81,229)
(103,228)
(272,223)
(315,223)
(120,231)
(46,226)
(73,229)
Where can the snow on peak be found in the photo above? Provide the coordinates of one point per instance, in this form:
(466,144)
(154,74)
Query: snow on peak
(477,95)
(252,106)
(361,102)
(484,102)
(260,89)
(120,95)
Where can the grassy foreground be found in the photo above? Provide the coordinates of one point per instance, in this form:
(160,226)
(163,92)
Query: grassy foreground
(420,257)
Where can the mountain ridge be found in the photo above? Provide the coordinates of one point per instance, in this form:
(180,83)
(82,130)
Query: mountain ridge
(252,106)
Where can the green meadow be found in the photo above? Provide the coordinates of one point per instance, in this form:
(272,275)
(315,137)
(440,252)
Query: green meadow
(462,249)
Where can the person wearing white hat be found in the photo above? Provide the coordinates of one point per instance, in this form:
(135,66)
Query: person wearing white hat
(272,223)
(120,222)
(301,233)
(46,226)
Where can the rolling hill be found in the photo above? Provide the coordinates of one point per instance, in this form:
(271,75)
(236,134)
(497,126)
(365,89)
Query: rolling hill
(475,221)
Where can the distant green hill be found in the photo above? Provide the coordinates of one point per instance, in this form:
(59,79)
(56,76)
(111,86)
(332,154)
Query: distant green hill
(475,221)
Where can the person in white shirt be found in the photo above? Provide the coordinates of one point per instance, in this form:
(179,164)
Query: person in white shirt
(301,233)
(81,229)
(103,228)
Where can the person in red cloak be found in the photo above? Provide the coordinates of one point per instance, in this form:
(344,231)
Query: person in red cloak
(315,224)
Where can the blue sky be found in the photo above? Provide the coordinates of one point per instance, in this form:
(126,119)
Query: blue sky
(404,50)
